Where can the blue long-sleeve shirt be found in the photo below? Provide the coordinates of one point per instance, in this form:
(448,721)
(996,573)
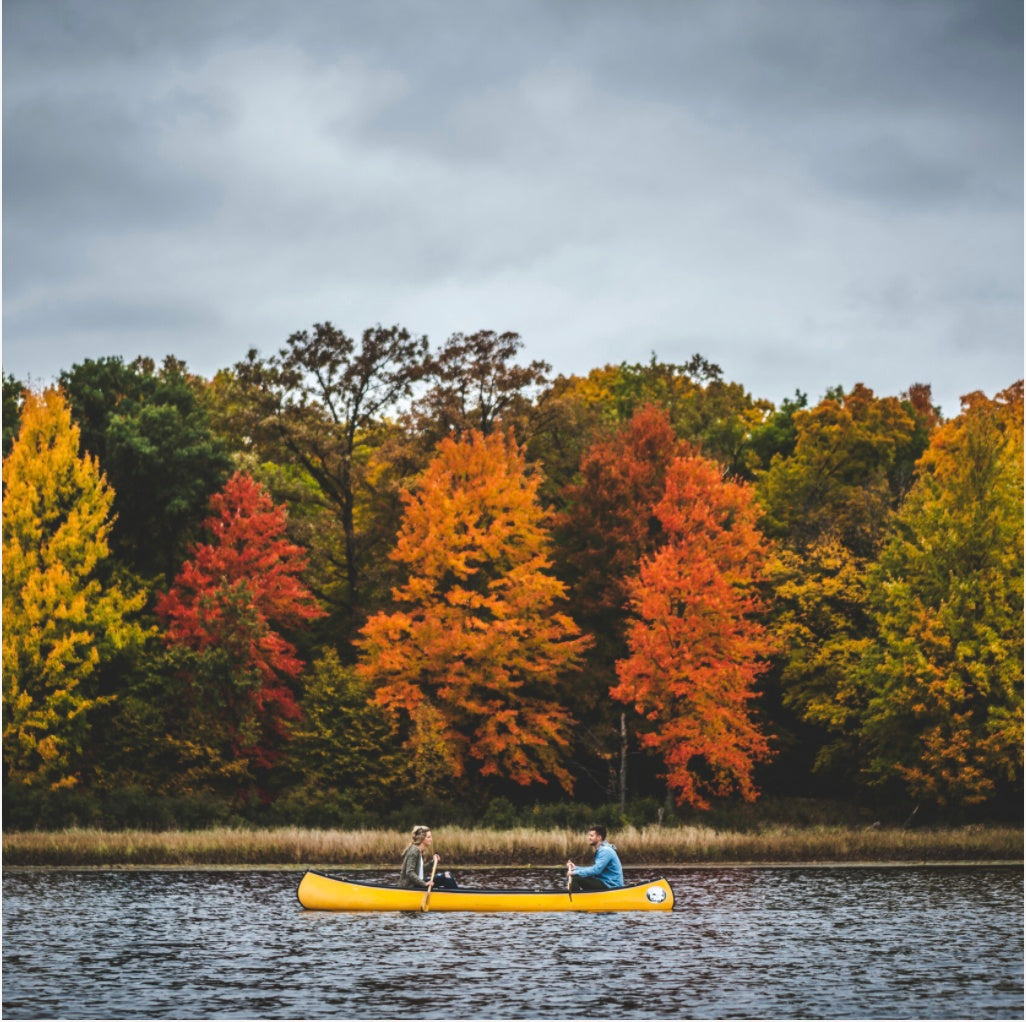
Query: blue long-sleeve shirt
(607,866)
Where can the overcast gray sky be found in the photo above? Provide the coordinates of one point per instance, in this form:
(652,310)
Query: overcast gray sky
(807,192)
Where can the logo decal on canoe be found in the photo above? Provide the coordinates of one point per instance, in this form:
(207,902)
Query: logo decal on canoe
(655,895)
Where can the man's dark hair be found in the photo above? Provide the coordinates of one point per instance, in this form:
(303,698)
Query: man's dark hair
(599,829)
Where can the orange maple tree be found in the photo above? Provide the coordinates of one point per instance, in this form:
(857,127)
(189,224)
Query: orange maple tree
(696,646)
(473,653)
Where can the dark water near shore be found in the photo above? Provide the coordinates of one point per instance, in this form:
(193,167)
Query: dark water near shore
(864,942)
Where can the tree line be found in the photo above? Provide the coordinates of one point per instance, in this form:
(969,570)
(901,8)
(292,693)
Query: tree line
(365,571)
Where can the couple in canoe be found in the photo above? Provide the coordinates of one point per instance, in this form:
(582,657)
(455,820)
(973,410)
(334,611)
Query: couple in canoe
(606,872)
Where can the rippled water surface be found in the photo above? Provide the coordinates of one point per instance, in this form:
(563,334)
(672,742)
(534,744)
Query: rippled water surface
(939,942)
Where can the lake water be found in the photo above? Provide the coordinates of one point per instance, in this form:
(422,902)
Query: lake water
(759,942)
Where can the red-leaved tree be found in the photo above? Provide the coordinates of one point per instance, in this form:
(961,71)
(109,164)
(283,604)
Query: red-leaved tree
(696,646)
(227,608)
(608,523)
(606,526)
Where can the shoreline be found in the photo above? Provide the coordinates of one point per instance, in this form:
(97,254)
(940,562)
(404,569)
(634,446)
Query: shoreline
(517,848)
(651,867)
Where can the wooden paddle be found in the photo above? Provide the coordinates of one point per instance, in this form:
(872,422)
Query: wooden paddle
(427,893)
(569,882)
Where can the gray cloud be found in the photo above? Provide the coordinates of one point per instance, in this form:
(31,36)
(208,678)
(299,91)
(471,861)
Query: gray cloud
(808,193)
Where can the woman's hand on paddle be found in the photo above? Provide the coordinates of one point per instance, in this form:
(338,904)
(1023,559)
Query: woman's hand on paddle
(569,866)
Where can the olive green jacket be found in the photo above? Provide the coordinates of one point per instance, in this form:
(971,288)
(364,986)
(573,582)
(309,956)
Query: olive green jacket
(409,872)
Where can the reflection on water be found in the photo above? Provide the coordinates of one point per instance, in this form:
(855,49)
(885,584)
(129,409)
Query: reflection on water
(743,942)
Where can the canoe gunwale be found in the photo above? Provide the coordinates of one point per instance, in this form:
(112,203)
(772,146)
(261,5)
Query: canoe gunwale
(482,890)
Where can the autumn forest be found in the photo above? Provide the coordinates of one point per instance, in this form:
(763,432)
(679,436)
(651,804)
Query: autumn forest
(366,573)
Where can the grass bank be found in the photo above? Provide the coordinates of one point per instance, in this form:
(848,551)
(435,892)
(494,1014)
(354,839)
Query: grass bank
(518,846)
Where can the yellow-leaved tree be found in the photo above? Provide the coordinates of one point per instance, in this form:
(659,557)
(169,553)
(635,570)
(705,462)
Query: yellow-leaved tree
(61,619)
(944,680)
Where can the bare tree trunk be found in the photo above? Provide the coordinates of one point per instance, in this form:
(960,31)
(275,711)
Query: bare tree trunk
(623,761)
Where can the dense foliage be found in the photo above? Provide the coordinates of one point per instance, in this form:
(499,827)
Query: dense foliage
(696,646)
(63,614)
(474,652)
(361,573)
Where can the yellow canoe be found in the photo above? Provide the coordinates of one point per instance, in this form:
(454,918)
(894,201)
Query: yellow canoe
(319,891)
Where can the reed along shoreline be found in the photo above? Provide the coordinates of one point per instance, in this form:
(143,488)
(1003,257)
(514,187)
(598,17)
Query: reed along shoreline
(513,847)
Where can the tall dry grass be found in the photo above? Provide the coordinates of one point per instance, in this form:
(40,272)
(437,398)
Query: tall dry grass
(518,846)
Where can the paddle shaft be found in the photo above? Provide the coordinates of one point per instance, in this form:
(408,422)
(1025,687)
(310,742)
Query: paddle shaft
(427,893)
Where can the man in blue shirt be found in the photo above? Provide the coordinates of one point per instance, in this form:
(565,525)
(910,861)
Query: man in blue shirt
(607,871)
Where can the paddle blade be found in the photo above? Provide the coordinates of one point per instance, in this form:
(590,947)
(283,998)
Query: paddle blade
(427,893)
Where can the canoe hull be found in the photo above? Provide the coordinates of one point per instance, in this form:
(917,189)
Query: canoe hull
(321,892)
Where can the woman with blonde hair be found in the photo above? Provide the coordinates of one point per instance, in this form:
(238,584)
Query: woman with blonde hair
(411,873)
